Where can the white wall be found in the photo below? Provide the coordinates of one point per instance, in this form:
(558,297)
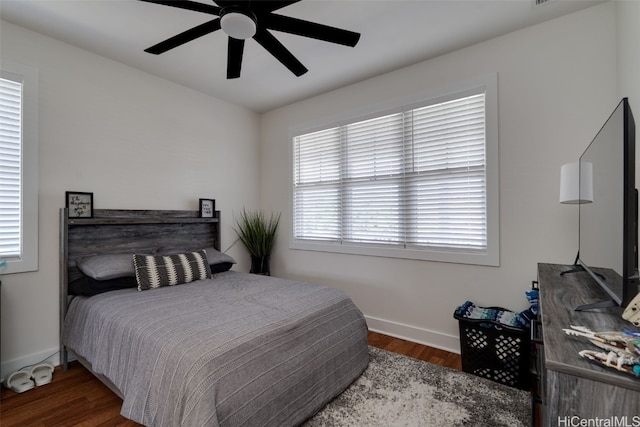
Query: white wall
(628,26)
(556,87)
(136,142)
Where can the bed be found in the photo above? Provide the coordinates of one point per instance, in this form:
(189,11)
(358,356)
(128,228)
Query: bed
(232,349)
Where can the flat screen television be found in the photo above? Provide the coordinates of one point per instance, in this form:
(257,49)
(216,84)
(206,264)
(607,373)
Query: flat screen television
(608,239)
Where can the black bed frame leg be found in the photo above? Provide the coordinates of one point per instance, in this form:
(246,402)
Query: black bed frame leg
(64,359)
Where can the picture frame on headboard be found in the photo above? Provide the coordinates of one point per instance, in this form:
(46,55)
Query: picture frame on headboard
(79,204)
(207,208)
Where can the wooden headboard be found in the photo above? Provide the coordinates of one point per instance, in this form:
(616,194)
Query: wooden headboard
(130,231)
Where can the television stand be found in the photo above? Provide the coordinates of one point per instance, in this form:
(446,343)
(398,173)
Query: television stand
(605,303)
(595,305)
(577,268)
(572,387)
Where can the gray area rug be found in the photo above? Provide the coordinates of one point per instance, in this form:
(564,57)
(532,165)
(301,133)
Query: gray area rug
(396,390)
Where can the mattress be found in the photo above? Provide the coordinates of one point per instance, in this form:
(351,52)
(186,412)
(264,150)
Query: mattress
(237,349)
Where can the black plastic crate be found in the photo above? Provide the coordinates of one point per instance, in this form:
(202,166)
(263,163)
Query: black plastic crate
(496,351)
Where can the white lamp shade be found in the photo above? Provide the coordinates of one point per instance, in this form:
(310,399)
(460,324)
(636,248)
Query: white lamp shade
(576,183)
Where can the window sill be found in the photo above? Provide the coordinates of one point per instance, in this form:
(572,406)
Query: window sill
(489,258)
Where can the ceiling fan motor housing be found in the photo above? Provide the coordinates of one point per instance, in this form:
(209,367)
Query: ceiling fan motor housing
(238,22)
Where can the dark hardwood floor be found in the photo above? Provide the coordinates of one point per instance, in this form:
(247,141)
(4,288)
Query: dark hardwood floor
(77,398)
(417,351)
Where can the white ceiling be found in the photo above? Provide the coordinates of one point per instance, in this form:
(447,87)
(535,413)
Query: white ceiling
(395,34)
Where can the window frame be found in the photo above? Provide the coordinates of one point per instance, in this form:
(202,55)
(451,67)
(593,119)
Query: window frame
(491,257)
(28,260)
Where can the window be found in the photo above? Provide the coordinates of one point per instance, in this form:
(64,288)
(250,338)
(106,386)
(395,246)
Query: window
(18,168)
(412,182)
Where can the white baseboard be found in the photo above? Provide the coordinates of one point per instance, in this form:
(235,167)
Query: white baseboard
(412,333)
(52,356)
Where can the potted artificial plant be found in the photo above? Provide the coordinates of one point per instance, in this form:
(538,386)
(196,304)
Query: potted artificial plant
(258,234)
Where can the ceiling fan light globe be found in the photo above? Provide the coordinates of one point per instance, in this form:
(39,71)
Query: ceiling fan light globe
(238,25)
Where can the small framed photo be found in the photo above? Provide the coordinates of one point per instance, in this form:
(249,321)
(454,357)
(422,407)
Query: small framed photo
(207,208)
(80,205)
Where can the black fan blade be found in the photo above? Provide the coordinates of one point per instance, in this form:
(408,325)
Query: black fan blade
(234,57)
(225,3)
(310,29)
(187,36)
(189,5)
(256,6)
(269,6)
(273,46)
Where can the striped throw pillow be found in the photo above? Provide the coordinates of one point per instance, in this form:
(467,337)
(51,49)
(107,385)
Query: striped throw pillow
(155,271)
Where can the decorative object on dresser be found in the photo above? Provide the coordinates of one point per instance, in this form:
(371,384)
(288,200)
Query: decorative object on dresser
(621,348)
(572,387)
(632,312)
(258,234)
(80,205)
(207,208)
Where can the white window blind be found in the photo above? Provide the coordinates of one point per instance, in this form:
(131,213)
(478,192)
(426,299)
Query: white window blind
(10,168)
(18,167)
(414,179)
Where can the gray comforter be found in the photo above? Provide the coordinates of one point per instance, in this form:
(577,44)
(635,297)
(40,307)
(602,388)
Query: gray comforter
(238,349)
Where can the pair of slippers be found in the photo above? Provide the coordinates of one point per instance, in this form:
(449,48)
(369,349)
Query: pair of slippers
(23,380)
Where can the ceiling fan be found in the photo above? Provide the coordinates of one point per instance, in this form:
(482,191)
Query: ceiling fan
(244,19)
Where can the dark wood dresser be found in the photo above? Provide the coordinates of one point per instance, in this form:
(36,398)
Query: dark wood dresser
(574,390)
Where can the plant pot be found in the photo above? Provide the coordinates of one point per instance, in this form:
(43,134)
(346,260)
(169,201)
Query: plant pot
(260,265)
